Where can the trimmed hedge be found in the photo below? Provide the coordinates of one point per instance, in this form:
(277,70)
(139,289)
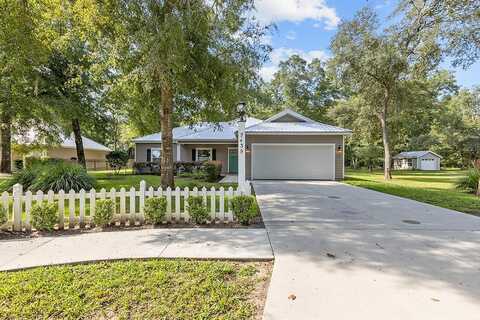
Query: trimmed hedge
(244,208)
(197,210)
(103,212)
(155,209)
(212,170)
(44,216)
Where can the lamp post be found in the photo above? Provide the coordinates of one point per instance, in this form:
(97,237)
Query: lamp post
(241,109)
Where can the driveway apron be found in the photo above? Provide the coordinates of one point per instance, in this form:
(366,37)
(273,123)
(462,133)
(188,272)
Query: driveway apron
(344,252)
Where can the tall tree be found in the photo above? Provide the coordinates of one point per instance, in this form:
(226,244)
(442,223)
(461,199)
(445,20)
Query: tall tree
(372,65)
(302,86)
(442,28)
(21,53)
(74,73)
(194,58)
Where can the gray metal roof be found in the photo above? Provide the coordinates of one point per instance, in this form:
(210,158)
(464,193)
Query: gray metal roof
(88,144)
(296,127)
(222,131)
(226,131)
(414,154)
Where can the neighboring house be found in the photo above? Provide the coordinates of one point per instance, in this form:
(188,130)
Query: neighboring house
(417,160)
(95,153)
(285,146)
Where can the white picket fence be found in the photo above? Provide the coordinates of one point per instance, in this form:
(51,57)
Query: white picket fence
(77,209)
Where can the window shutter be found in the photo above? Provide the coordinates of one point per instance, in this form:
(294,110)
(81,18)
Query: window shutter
(214,154)
(194,153)
(149,155)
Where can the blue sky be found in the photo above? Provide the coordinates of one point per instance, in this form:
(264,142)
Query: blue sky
(305,27)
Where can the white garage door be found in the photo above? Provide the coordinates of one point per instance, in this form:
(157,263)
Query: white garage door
(293,161)
(429,164)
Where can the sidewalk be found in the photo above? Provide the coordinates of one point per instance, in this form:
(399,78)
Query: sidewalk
(204,243)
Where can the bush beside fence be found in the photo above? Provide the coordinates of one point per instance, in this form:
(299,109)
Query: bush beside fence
(77,209)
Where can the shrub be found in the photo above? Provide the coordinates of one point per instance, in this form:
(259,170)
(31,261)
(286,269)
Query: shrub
(470,181)
(212,170)
(62,176)
(103,212)
(244,208)
(3,215)
(155,209)
(197,210)
(117,160)
(35,161)
(25,177)
(44,216)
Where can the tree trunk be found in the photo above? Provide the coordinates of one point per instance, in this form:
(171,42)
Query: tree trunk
(166,157)
(387,174)
(6,143)
(478,188)
(77,133)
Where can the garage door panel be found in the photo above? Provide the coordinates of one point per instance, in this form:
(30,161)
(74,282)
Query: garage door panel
(293,161)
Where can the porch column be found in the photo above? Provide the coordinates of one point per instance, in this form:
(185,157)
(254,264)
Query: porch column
(179,157)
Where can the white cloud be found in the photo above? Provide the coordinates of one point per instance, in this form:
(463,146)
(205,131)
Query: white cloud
(296,10)
(281,54)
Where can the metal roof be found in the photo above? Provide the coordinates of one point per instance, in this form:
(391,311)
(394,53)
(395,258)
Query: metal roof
(222,131)
(88,144)
(226,131)
(414,154)
(296,127)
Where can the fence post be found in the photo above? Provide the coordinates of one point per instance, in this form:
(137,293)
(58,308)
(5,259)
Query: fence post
(17,207)
(143,187)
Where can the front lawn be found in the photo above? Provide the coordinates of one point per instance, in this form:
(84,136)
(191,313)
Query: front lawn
(108,180)
(433,187)
(155,289)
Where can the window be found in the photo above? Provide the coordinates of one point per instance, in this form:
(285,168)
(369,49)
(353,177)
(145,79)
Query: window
(204,154)
(156,154)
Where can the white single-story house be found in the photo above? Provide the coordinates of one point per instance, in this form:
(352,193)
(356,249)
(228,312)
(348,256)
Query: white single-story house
(95,152)
(286,146)
(417,160)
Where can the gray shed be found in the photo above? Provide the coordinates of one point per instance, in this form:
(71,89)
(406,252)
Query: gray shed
(417,160)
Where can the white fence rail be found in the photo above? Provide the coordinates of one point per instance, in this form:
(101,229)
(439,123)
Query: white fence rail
(77,209)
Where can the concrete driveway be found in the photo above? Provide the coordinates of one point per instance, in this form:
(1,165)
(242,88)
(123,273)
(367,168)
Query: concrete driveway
(343,252)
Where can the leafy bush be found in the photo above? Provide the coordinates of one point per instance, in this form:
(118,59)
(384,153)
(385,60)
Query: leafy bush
(3,215)
(25,177)
(470,181)
(212,170)
(44,216)
(244,208)
(155,209)
(103,212)
(197,210)
(117,160)
(187,166)
(62,176)
(35,161)
(146,168)
(56,177)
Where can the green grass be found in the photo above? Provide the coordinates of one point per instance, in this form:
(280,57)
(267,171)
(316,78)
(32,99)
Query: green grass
(108,180)
(155,289)
(433,187)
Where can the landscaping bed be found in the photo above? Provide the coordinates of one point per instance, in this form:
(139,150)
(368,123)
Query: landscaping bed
(152,289)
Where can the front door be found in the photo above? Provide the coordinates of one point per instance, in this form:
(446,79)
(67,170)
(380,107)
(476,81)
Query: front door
(232,160)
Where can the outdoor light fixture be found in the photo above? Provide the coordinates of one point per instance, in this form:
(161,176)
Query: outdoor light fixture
(339,148)
(242,110)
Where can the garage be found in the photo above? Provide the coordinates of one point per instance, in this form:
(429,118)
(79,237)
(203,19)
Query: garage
(428,164)
(293,161)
